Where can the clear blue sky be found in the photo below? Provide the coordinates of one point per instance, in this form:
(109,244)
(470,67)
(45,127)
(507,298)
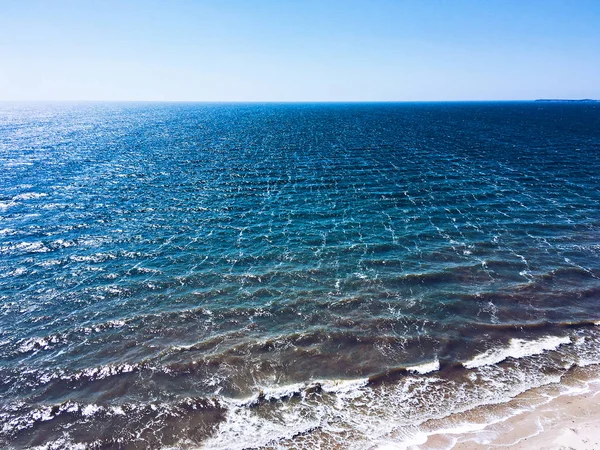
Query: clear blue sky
(292,50)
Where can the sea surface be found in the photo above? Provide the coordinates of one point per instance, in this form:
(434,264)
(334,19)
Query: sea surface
(229,276)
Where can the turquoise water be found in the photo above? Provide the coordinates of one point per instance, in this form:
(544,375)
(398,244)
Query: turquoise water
(238,275)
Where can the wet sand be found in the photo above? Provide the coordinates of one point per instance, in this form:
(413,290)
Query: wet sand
(570,420)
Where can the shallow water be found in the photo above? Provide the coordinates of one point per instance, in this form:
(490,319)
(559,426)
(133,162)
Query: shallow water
(288,275)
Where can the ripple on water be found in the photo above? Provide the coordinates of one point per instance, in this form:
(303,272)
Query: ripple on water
(290,275)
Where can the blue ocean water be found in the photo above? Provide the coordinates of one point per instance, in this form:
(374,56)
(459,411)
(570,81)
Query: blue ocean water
(288,275)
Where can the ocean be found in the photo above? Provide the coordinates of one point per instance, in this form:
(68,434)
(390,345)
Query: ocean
(230,276)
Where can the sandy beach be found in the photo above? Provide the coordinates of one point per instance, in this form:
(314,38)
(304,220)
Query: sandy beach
(565,416)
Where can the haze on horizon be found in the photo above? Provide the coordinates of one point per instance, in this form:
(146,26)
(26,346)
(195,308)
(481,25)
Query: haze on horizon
(267,50)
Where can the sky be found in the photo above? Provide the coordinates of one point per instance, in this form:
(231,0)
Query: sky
(293,50)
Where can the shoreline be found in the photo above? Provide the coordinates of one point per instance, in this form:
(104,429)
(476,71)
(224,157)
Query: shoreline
(563,415)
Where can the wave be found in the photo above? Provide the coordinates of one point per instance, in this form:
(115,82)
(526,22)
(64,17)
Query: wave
(517,348)
(18,419)
(305,354)
(360,412)
(39,343)
(25,247)
(424,368)
(410,409)
(29,195)
(330,386)
(52,341)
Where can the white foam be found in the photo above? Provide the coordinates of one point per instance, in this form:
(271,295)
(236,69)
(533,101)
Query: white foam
(90,410)
(517,348)
(93,373)
(98,373)
(276,393)
(333,386)
(243,428)
(29,195)
(104,326)
(117,410)
(342,386)
(425,367)
(38,343)
(6,205)
(350,413)
(17,272)
(63,443)
(31,247)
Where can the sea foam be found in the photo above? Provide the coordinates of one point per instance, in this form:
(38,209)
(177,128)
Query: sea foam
(517,348)
(425,367)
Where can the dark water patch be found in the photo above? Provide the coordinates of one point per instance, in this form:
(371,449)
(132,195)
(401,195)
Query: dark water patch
(114,426)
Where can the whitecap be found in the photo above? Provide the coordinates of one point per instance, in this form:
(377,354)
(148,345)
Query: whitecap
(38,343)
(29,195)
(342,386)
(6,205)
(28,247)
(276,393)
(425,367)
(517,348)
(90,410)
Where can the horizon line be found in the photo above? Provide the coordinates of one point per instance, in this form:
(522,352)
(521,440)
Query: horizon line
(547,99)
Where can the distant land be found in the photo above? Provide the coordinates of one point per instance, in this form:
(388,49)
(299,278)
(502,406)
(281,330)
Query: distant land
(583,100)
